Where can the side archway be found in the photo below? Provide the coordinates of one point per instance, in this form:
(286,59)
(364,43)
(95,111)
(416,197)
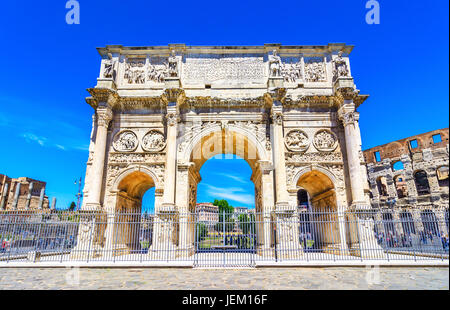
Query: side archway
(322,227)
(320,185)
(129,188)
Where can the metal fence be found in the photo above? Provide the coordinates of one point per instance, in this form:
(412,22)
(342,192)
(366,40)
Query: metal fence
(225,239)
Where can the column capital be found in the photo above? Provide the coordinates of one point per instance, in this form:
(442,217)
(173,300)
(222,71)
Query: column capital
(172,117)
(173,96)
(348,117)
(277,115)
(104,116)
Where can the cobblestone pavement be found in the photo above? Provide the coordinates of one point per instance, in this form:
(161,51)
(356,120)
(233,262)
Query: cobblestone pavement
(266,278)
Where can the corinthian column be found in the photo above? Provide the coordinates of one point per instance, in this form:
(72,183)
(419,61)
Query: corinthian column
(279,157)
(349,119)
(171,157)
(173,98)
(104,116)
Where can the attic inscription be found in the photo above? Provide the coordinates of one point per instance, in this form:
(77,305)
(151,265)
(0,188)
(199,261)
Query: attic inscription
(199,68)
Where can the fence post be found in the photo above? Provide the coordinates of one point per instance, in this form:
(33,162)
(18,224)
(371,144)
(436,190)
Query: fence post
(36,245)
(90,240)
(62,243)
(224,238)
(357,219)
(275,238)
(196,242)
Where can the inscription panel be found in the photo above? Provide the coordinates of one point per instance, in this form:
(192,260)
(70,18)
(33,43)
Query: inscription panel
(223,68)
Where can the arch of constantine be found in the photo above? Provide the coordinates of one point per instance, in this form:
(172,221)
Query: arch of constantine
(160,112)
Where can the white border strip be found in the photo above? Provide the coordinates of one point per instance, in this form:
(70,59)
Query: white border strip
(260,264)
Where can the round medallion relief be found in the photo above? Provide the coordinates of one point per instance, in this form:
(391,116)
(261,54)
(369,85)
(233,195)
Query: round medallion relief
(153,141)
(325,140)
(297,140)
(125,141)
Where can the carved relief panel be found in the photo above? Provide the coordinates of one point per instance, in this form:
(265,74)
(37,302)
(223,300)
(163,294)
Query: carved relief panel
(125,141)
(297,141)
(153,141)
(292,69)
(315,69)
(325,141)
(134,71)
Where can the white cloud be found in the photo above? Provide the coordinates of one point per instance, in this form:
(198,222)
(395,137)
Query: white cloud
(236,194)
(82,147)
(30,137)
(43,141)
(233,177)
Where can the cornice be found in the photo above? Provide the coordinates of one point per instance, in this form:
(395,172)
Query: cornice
(127,103)
(261,49)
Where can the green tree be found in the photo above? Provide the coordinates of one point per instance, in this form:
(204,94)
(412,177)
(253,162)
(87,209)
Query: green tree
(225,215)
(247,223)
(223,206)
(72,206)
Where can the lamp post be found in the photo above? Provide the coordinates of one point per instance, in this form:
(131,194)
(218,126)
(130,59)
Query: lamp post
(79,194)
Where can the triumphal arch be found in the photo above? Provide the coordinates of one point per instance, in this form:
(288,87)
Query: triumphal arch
(160,112)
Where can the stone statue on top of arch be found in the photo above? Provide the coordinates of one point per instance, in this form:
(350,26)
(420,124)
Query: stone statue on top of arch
(275,64)
(173,64)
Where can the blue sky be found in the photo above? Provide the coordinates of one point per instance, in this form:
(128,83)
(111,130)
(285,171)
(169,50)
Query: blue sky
(47,65)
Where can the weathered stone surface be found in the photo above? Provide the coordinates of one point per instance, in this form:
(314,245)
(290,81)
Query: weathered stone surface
(416,278)
(414,178)
(161,112)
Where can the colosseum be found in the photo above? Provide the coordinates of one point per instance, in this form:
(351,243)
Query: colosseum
(409,179)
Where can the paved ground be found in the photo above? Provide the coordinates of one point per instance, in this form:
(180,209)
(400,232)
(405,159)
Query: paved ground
(265,278)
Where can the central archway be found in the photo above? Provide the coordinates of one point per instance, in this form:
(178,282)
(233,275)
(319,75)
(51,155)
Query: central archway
(228,141)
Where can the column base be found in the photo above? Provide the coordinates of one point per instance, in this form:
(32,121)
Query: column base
(336,249)
(284,206)
(265,251)
(81,253)
(167,207)
(360,206)
(163,253)
(186,251)
(289,250)
(92,206)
